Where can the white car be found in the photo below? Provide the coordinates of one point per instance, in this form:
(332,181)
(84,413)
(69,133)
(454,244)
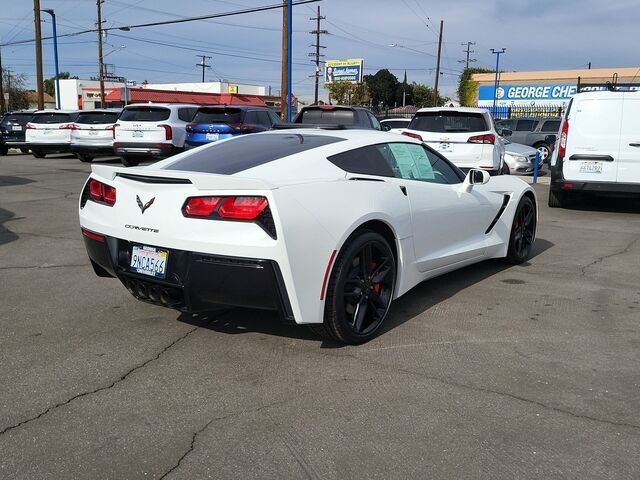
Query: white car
(466,136)
(520,158)
(394,125)
(92,133)
(599,147)
(49,131)
(153,130)
(325,226)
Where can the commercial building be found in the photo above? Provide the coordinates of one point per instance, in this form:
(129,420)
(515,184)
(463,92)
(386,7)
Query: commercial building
(553,88)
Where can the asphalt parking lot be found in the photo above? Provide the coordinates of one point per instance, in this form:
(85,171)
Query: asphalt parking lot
(493,371)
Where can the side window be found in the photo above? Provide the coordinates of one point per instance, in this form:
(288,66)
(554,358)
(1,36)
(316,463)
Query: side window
(251,117)
(551,126)
(374,121)
(415,162)
(525,125)
(186,114)
(263,119)
(369,160)
(274,117)
(505,124)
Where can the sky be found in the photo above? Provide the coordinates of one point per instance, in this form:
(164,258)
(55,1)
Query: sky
(537,35)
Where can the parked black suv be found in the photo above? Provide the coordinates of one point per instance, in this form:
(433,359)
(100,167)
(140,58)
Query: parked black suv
(532,132)
(12,130)
(349,117)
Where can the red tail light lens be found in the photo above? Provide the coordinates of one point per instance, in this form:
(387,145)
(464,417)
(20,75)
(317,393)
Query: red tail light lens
(168,132)
(489,138)
(243,208)
(29,126)
(200,206)
(92,235)
(412,135)
(564,133)
(69,126)
(231,208)
(113,129)
(102,193)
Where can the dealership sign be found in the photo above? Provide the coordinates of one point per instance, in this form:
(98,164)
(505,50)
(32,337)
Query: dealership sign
(344,70)
(507,95)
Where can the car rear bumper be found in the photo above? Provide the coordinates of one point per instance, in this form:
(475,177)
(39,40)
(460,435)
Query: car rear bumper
(92,149)
(559,183)
(49,147)
(145,149)
(194,282)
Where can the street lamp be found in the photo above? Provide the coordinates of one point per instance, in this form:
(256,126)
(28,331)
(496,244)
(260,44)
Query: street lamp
(497,53)
(55,53)
(121,47)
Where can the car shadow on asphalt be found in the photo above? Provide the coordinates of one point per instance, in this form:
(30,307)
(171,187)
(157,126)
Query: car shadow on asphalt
(604,203)
(6,235)
(417,301)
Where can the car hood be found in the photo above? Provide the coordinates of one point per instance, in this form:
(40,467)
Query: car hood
(519,149)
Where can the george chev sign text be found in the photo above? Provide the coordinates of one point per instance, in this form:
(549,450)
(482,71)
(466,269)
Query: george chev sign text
(507,95)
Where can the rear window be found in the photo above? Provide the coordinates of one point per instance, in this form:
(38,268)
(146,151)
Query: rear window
(218,115)
(449,122)
(248,151)
(145,114)
(338,116)
(16,119)
(395,123)
(54,117)
(97,117)
(551,126)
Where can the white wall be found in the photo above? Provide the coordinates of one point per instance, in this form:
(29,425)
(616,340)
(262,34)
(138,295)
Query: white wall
(71,88)
(208,87)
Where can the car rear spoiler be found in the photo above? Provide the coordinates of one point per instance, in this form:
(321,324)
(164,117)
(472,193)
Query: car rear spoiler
(202,181)
(322,126)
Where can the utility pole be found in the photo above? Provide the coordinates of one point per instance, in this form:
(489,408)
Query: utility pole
(317,32)
(100,58)
(589,65)
(39,79)
(497,53)
(203,64)
(2,105)
(435,90)
(285,53)
(468,52)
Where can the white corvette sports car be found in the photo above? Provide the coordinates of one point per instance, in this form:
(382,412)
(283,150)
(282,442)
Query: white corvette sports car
(325,226)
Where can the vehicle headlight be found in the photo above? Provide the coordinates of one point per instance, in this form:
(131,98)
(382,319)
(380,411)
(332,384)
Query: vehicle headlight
(519,158)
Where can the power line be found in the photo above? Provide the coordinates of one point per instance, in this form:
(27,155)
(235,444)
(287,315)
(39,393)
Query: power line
(468,51)
(317,32)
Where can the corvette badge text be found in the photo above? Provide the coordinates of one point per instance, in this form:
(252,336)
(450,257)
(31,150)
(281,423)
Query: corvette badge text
(142,229)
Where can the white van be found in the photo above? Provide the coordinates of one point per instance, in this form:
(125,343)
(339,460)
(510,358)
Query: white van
(598,146)
(151,130)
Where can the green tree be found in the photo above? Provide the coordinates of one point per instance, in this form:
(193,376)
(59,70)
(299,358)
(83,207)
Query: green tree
(14,86)
(383,88)
(346,93)
(423,96)
(50,83)
(467,88)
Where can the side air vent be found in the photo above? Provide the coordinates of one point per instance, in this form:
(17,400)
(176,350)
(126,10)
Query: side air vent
(505,202)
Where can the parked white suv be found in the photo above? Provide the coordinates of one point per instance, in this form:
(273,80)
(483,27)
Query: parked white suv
(151,131)
(465,136)
(49,131)
(599,146)
(92,133)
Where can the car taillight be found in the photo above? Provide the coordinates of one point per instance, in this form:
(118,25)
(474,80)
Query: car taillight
(92,235)
(201,207)
(412,135)
(69,126)
(102,193)
(189,127)
(29,126)
(564,133)
(168,132)
(488,138)
(113,129)
(231,208)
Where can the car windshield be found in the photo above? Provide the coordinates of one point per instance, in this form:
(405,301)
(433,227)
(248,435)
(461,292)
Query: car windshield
(145,114)
(97,117)
(448,122)
(218,115)
(248,151)
(16,119)
(53,117)
(337,116)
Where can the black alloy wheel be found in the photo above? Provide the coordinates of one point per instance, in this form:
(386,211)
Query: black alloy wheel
(3,150)
(38,154)
(24,150)
(523,231)
(85,157)
(360,289)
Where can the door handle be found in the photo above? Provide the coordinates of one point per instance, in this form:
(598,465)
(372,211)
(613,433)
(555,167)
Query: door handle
(634,144)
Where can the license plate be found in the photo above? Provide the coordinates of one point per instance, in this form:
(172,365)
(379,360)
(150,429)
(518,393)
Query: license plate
(17,128)
(149,261)
(138,134)
(591,167)
(47,132)
(212,137)
(445,147)
(93,132)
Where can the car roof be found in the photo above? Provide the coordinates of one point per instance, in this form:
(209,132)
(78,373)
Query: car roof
(102,110)
(167,105)
(53,110)
(239,107)
(453,109)
(605,94)
(395,120)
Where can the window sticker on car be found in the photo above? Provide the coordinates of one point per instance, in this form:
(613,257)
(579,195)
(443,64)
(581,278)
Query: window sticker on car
(412,161)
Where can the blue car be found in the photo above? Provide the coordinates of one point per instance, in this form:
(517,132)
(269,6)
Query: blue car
(211,124)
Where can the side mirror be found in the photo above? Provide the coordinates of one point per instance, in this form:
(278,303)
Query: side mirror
(386,128)
(506,132)
(477,177)
(550,139)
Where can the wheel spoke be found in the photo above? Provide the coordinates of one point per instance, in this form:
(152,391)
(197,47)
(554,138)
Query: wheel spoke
(381,271)
(359,315)
(367,260)
(528,217)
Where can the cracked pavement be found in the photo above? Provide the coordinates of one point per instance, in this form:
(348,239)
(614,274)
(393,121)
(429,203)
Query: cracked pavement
(490,372)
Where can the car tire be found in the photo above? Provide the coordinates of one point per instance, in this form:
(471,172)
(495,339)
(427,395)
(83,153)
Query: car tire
(24,150)
(505,169)
(38,154)
(84,157)
(523,232)
(356,304)
(556,199)
(128,161)
(4,151)
(545,152)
